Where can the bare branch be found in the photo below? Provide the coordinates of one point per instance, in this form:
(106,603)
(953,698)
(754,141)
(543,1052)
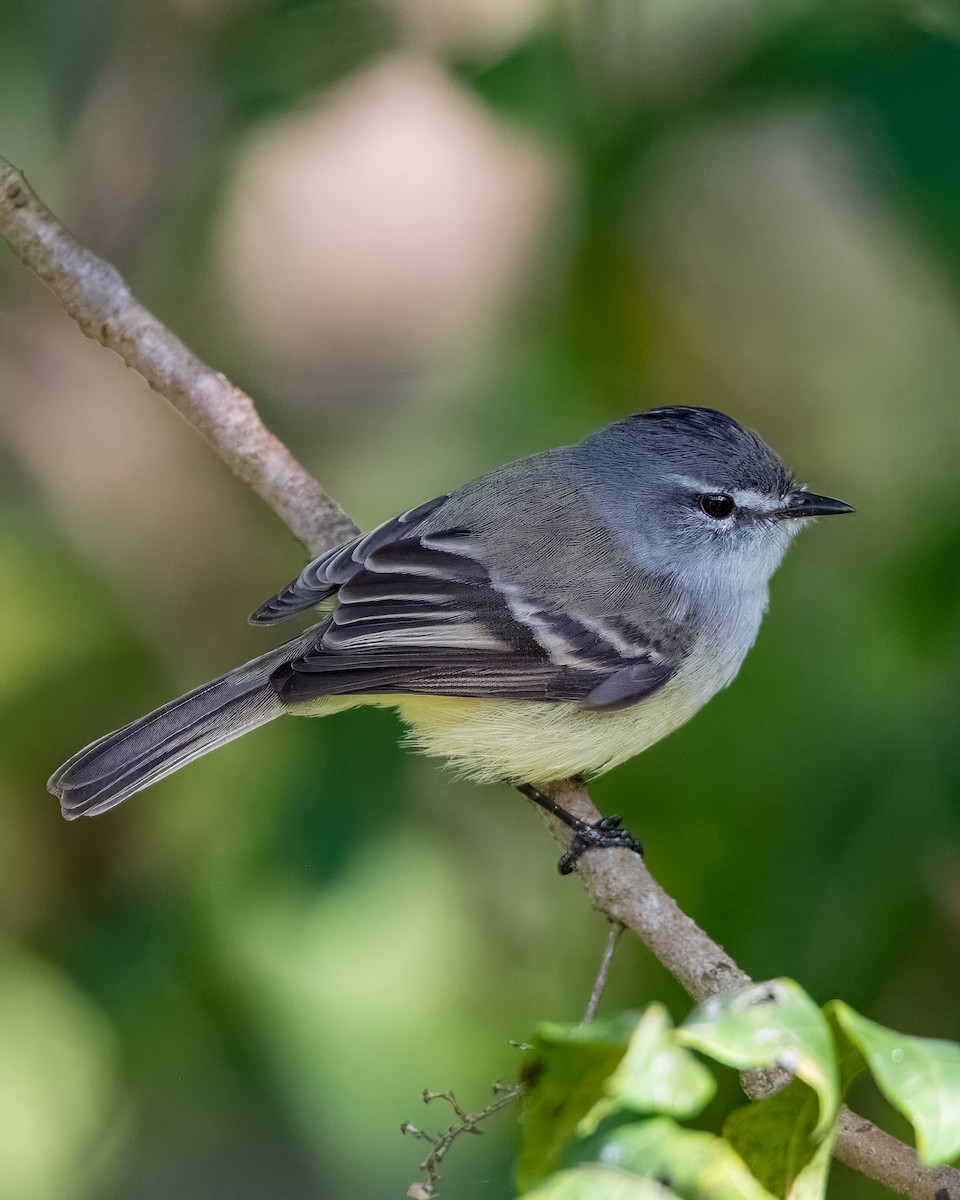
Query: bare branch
(94,294)
(865,1148)
(617,882)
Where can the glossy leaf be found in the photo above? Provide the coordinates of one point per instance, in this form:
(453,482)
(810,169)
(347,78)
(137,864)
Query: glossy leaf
(564,1077)
(655,1075)
(767,1024)
(594,1182)
(919,1076)
(697,1166)
(811,1183)
(775,1138)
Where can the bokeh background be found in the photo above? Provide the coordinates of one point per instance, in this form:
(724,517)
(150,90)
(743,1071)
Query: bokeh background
(429,236)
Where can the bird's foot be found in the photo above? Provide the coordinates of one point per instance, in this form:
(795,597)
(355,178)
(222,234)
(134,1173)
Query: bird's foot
(605,833)
(602,834)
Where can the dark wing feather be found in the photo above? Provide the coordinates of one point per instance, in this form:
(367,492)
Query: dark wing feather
(423,614)
(628,686)
(320,578)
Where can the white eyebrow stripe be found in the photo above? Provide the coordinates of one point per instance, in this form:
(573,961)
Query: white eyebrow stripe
(696,485)
(748,498)
(755,501)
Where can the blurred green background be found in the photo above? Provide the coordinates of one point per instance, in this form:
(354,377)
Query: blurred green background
(429,236)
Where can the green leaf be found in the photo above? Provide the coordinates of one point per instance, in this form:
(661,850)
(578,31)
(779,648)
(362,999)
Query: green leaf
(919,1076)
(697,1166)
(850,1060)
(767,1024)
(564,1078)
(775,1138)
(654,1075)
(811,1183)
(594,1182)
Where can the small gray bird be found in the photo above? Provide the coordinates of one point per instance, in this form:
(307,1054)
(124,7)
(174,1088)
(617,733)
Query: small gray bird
(548,620)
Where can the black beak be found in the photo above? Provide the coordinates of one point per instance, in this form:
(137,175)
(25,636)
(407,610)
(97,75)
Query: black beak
(807,504)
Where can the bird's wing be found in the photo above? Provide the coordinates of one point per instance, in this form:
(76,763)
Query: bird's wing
(320,578)
(422,612)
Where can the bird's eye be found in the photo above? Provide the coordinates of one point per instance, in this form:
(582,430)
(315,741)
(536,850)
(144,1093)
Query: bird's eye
(717,505)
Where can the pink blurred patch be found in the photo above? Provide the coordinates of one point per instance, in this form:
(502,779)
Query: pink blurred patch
(395,218)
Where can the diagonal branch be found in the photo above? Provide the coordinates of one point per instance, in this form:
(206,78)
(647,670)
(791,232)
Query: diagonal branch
(618,883)
(94,294)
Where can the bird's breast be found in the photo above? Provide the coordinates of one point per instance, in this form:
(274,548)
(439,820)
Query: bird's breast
(524,741)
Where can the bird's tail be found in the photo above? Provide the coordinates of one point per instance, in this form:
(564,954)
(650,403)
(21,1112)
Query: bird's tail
(130,759)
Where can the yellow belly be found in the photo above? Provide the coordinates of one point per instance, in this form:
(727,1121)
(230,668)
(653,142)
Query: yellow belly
(522,741)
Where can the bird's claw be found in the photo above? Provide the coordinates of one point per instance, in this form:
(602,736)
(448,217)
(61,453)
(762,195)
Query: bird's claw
(607,833)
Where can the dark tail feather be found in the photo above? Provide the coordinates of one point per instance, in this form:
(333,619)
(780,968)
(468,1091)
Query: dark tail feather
(147,750)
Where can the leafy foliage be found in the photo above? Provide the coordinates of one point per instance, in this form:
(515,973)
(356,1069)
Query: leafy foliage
(770,1025)
(594,1182)
(919,1076)
(566,1076)
(656,1074)
(776,1147)
(776,1139)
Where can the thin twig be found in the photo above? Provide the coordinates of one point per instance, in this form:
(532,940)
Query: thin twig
(601,981)
(444,1139)
(618,884)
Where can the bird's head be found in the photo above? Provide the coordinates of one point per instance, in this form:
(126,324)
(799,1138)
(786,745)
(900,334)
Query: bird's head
(702,499)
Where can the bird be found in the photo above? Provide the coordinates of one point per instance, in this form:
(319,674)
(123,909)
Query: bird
(546,621)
